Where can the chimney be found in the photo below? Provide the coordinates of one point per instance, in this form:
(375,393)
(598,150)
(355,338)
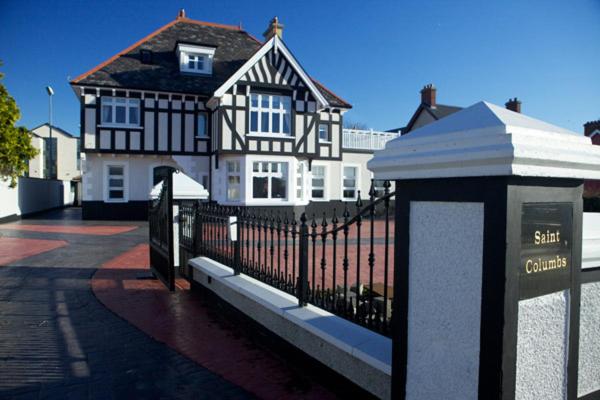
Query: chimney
(428,95)
(513,105)
(181,14)
(591,127)
(275,28)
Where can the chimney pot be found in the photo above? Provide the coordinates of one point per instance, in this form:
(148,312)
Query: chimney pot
(591,127)
(274,28)
(181,14)
(428,95)
(513,105)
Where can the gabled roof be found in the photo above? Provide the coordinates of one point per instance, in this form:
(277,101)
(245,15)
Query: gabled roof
(234,47)
(54,129)
(438,112)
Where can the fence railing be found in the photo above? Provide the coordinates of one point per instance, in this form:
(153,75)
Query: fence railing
(366,139)
(160,226)
(341,263)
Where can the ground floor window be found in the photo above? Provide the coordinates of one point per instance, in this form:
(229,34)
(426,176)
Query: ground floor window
(300,180)
(269,180)
(318,182)
(349,182)
(115,183)
(233,180)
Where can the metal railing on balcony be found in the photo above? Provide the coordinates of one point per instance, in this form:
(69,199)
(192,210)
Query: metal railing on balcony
(342,264)
(358,139)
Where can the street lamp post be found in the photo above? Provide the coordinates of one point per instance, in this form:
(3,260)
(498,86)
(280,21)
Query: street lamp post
(50,94)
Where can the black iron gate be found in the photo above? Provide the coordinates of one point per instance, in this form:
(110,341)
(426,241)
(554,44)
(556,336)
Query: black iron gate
(160,225)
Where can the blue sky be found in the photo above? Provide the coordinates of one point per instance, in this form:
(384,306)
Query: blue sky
(375,54)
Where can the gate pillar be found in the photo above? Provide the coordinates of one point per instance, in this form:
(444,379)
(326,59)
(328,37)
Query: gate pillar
(487,256)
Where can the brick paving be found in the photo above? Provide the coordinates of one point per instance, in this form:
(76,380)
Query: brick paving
(13,249)
(59,341)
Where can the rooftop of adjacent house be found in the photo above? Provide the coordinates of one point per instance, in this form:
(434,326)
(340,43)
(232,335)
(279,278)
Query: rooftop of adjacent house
(55,129)
(234,47)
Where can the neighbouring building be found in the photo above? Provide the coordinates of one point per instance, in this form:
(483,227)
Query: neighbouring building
(430,111)
(62,149)
(240,116)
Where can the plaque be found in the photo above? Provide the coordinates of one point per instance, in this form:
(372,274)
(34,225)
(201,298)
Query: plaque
(546,242)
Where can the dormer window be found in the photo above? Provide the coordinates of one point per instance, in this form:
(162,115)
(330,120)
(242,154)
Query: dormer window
(195,59)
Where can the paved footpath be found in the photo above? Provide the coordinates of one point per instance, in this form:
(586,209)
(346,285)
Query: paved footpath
(58,341)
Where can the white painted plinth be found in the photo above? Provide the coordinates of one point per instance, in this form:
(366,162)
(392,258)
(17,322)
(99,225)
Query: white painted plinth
(589,339)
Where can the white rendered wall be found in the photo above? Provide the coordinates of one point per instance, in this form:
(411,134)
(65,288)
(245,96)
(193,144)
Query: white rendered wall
(589,339)
(542,347)
(590,257)
(444,305)
(32,195)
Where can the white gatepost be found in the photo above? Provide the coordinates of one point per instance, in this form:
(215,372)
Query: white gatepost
(487,256)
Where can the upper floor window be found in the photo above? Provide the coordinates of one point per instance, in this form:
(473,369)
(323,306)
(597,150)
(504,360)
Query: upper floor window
(324,133)
(270,114)
(202,131)
(195,59)
(120,111)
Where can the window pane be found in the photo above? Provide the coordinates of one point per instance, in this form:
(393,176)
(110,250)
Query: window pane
(276,122)
(115,194)
(233,180)
(318,193)
(256,167)
(233,166)
(278,188)
(286,123)
(264,123)
(134,115)
(254,121)
(349,183)
(192,62)
(254,100)
(120,100)
(264,103)
(324,132)
(287,103)
(107,114)
(201,124)
(318,182)
(115,170)
(349,172)
(276,102)
(318,170)
(274,167)
(115,183)
(265,167)
(200,62)
(349,193)
(120,114)
(260,187)
(233,193)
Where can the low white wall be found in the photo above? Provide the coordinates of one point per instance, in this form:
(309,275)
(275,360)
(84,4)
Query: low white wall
(590,257)
(32,195)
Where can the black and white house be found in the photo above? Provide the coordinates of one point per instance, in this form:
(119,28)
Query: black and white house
(240,116)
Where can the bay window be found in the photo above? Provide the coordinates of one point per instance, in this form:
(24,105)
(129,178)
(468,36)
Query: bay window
(269,180)
(318,182)
(349,182)
(270,114)
(233,180)
(120,111)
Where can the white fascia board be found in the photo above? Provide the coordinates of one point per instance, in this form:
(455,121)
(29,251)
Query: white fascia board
(274,41)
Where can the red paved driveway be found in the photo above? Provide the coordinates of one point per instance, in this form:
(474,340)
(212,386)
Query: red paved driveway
(14,249)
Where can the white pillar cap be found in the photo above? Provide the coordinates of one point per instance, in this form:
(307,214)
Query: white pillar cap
(487,140)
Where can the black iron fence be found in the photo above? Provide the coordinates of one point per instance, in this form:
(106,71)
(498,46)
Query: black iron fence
(342,264)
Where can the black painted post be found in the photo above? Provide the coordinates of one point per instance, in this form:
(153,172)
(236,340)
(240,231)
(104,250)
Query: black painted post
(198,234)
(303,263)
(237,266)
(171,272)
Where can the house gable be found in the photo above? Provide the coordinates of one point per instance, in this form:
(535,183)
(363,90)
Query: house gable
(273,64)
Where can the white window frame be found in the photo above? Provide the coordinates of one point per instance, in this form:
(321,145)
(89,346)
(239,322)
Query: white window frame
(185,51)
(228,185)
(300,178)
(328,127)
(270,110)
(356,183)
(325,180)
(106,178)
(269,174)
(198,135)
(113,102)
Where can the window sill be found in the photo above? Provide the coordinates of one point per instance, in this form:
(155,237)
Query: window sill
(115,201)
(122,126)
(321,141)
(202,137)
(270,135)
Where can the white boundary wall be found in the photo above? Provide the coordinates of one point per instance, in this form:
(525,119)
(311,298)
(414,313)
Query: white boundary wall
(32,195)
